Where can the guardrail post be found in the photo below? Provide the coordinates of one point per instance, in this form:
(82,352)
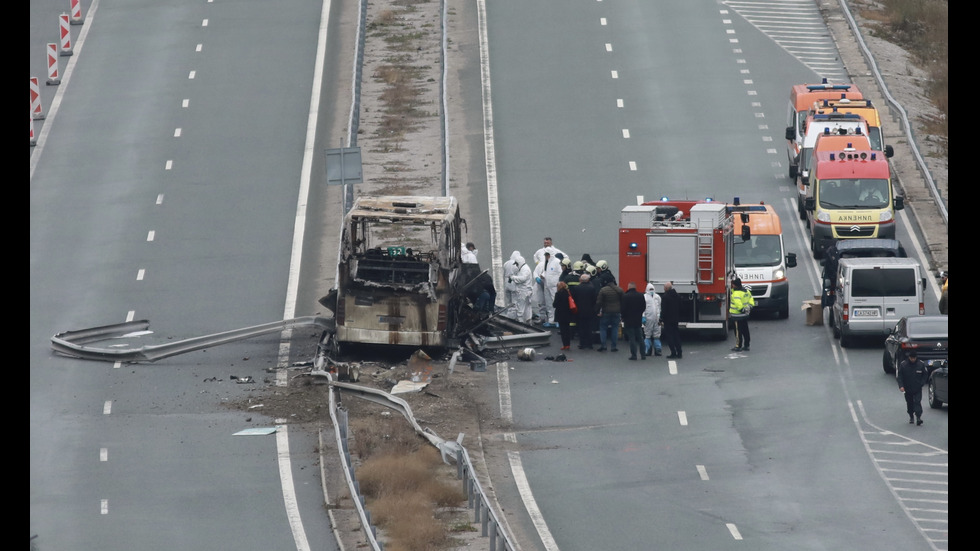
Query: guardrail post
(485,520)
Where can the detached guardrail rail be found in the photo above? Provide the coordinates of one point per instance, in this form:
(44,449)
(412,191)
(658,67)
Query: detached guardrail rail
(73,343)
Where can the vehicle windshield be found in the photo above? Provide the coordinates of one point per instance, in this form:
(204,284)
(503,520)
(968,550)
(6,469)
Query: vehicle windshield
(805,155)
(759,250)
(874,136)
(873,282)
(923,328)
(857,193)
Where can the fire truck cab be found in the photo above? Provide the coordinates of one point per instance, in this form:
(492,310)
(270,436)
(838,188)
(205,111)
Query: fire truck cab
(688,243)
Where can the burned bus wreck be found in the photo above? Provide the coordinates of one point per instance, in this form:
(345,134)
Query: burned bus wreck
(399,272)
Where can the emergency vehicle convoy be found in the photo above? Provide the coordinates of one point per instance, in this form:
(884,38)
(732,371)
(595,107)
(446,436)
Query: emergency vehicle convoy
(689,243)
(801,100)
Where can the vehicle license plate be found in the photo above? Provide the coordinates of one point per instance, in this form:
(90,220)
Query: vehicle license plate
(865,312)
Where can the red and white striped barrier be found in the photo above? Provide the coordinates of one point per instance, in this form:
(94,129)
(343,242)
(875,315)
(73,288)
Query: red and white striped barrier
(36,112)
(54,77)
(76,12)
(66,46)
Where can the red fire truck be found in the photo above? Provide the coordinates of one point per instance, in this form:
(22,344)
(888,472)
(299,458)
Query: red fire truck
(689,243)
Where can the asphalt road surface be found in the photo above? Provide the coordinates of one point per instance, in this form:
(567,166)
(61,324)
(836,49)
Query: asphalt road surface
(797,444)
(165,186)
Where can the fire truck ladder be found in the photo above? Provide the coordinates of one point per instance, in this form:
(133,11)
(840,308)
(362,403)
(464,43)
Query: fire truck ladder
(706,252)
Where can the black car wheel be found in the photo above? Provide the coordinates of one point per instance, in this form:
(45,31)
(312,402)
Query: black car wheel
(886,363)
(934,403)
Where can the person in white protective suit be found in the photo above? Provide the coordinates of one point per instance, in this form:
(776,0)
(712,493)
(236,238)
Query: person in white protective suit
(510,268)
(469,254)
(546,276)
(651,322)
(520,284)
(548,246)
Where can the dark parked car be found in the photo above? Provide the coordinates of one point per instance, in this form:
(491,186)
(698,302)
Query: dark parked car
(928,335)
(939,384)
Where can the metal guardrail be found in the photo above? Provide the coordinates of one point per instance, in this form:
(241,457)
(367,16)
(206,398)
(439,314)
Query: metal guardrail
(72,343)
(923,168)
(483,513)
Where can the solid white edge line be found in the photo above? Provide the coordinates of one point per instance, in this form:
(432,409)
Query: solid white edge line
(42,136)
(517,468)
(292,286)
(493,205)
(288,489)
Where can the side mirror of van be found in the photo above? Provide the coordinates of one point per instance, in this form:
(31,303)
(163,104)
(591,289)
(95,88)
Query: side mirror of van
(790,260)
(790,133)
(923,284)
(889,151)
(810,203)
(899,202)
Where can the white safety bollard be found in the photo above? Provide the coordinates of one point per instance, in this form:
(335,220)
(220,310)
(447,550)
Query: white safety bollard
(54,77)
(36,111)
(76,12)
(66,45)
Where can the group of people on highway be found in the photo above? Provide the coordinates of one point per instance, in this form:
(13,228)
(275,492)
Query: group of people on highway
(583,297)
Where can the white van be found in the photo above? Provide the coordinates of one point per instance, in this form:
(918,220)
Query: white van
(873,294)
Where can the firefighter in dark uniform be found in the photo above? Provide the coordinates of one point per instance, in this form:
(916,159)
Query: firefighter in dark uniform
(912,375)
(739,306)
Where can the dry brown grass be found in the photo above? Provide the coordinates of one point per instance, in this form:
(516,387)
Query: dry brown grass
(382,435)
(922,28)
(405,483)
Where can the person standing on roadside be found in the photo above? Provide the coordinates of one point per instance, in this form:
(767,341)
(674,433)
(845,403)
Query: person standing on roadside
(585,298)
(523,284)
(912,376)
(651,321)
(739,305)
(670,315)
(546,276)
(549,247)
(510,288)
(608,309)
(632,307)
(563,314)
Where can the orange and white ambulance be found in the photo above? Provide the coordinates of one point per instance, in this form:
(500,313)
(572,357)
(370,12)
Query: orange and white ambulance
(801,100)
(761,259)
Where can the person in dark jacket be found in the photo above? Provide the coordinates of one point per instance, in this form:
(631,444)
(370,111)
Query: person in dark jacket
(607,305)
(585,296)
(670,314)
(632,308)
(563,314)
(912,375)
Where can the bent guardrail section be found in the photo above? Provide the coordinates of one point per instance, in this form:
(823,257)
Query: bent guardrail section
(73,343)
(483,513)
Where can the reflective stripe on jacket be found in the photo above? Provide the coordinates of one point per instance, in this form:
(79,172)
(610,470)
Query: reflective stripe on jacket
(740,298)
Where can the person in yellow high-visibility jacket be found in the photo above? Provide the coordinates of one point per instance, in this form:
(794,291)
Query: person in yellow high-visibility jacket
(739,305)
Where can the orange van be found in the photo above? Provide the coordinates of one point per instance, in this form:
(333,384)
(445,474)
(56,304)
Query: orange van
(801,99)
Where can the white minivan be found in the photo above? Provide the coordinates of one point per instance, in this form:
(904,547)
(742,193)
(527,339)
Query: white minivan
(873,294)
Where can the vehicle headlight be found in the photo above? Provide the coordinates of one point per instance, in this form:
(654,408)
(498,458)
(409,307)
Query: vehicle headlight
(779,274)
(823,216)
(885,216)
